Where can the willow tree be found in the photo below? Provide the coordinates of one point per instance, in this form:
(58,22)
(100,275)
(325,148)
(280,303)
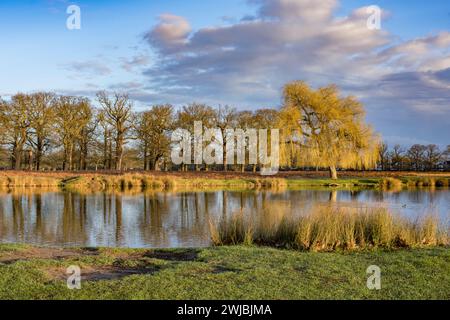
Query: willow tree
(332,128)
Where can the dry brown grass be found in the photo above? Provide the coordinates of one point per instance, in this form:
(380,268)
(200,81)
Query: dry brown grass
(140,180)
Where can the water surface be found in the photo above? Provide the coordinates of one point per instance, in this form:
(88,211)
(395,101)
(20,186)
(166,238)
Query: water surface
(169,220)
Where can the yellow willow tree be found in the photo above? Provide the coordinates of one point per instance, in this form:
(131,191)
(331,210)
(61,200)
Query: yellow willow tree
(330,130)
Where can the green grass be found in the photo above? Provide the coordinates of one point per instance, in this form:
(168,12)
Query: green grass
(232,273)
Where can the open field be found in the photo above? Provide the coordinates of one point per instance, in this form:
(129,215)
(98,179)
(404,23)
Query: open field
(97,181)
(222,273)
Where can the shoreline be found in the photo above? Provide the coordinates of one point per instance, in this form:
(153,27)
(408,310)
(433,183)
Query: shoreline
(159,181)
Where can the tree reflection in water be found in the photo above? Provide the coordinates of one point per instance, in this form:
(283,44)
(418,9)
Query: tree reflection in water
(158,219)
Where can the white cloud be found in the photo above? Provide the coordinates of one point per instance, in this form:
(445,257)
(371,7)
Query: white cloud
(141,60)
(171,32)
(246,63)
(251,60)
(89,68)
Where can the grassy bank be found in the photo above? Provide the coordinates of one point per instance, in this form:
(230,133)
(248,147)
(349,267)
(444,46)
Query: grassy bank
(211,180)
(222,273)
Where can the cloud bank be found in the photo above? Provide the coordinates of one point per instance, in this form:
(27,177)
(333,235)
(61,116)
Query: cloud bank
(404,84)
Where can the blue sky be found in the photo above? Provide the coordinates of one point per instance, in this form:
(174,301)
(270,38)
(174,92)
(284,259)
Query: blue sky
(181,51)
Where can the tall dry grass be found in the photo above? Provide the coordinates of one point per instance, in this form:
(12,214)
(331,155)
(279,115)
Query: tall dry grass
(391,183)
(331,228)
(128,182)
(29,181)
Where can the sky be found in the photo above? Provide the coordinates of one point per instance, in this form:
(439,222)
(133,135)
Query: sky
(239,53)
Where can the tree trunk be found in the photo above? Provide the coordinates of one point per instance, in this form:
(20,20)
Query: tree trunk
(119,152)
(82,163)
(30,160)
(70,158)
(156,166)
(225,155)
(39,151)
(13,158)
(224,149)
(85,155)
(105,150)
(17,159)
(110,156)
(145,156)
(333,173)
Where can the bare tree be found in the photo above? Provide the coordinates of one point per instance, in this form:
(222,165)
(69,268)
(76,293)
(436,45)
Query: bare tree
(42,115)
(72,116)
(86,140)
(117,111)
(225,118)
(384,155)
(152,130)
(416,157)
(15,122)
(245,120)
(432,156)
(106,143)
(187,117)
(397,156)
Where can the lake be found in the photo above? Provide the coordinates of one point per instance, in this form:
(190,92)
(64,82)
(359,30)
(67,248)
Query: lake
(172,220)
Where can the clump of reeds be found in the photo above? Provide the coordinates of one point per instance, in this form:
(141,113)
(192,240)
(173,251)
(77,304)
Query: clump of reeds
(236,230)
(331,228)
(391,183)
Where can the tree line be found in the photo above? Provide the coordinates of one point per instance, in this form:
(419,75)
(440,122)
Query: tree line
(418,157)
(318,129)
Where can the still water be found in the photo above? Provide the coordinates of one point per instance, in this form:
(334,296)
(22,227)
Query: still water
(169,220)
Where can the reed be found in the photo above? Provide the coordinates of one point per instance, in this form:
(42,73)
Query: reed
(330,228)
(391,183)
